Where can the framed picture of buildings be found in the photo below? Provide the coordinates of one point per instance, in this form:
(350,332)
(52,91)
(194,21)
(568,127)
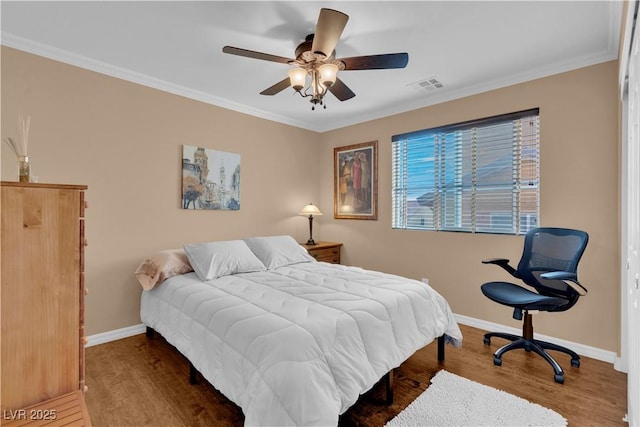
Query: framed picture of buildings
(210,179)
(355,176)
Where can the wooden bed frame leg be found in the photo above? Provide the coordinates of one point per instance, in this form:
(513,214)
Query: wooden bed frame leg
(389,387)
(441,348)
(193,374)
(150,332)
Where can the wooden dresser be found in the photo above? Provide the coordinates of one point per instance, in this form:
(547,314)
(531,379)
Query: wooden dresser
(66,410)
(325,251)
(42,284)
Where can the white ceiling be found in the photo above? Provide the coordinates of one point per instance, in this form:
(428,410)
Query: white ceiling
(470,47)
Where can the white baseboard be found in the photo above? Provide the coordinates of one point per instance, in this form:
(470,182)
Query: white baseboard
(581,349)
(584,350)
(116,334)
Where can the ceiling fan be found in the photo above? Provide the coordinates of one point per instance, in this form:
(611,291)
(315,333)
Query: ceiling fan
(315,57)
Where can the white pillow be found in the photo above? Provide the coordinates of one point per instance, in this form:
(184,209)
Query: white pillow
(211,260)
(278,251)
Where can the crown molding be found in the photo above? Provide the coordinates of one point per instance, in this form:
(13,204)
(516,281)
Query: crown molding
(434,99)
(611,53)
(70,58)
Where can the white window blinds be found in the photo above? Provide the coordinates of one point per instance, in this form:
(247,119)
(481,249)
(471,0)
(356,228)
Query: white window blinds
(479,176)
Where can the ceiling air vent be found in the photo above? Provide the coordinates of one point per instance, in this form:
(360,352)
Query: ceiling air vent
(428,84)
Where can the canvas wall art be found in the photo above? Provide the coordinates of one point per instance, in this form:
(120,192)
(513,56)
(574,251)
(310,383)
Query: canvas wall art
(355,175)
(210,179)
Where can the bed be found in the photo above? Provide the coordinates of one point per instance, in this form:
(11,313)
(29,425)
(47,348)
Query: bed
(290,340)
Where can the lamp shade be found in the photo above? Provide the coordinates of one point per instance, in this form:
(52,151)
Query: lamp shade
(297,78)
(328,74)
(310,209)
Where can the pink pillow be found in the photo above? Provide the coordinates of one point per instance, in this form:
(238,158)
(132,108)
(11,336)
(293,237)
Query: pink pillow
(161,266)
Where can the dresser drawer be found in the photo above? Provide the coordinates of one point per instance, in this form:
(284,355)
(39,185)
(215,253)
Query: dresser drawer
(68,410)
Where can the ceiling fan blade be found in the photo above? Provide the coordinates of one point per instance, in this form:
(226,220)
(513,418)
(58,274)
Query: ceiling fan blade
(277,88)
(341,90)
(329,28)
(376,62)
(256,55)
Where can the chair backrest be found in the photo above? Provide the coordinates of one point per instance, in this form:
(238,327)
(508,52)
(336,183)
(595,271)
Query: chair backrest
(552,249)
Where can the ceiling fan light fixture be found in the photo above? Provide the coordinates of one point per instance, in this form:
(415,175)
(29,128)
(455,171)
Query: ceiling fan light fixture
(328,74)
(316,58)
(297,78)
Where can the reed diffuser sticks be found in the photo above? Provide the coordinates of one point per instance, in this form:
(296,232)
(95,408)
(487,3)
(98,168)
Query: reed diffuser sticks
(20,147)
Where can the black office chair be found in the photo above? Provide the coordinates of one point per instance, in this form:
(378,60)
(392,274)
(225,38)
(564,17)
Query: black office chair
(549,264)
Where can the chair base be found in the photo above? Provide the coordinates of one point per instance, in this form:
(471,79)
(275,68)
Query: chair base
(528,343)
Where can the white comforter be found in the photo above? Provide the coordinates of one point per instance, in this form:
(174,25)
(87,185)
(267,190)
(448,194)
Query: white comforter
(297,345)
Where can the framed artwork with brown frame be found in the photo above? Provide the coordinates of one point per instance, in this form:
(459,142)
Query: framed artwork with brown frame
(355,181)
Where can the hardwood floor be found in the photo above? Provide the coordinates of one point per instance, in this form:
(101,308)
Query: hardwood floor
(145,382)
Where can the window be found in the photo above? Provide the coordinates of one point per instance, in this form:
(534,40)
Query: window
(480,176)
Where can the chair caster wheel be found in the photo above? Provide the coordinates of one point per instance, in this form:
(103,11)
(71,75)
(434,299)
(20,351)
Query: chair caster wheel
(497,361)
(575,363)
(487,341)
(559,378)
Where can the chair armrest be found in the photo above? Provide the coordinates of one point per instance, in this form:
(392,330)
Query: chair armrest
(570,279)
(504,263)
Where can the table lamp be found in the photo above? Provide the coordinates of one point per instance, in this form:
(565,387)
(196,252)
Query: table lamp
(310,210)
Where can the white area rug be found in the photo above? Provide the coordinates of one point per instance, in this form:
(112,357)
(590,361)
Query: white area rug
(451,400)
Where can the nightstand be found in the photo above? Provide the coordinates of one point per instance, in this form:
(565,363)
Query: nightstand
(325,251)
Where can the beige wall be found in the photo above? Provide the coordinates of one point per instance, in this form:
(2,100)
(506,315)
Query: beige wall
(579,188)
(124,141)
